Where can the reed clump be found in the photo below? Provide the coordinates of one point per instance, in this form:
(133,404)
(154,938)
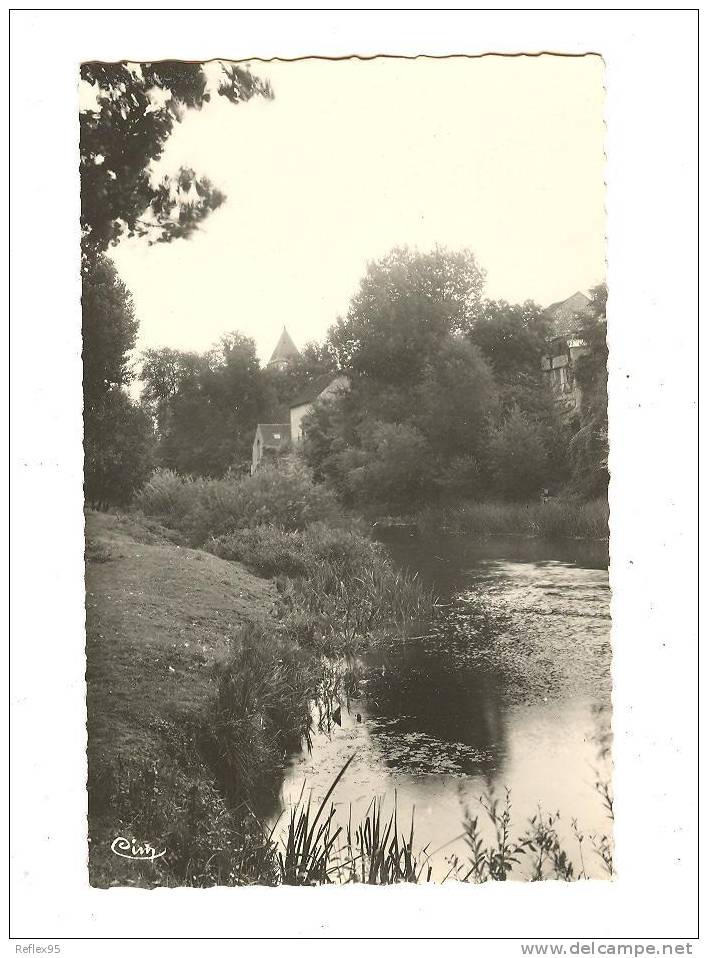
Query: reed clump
(262,708)
(551,519)
(337,589)
(314,849)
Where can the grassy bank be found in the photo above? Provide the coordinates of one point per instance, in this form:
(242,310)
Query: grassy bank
(163,623)
(552,519)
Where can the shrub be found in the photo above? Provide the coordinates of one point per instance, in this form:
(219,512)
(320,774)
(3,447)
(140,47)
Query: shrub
(271,550)
(282,494)
(396,470)
(178,805)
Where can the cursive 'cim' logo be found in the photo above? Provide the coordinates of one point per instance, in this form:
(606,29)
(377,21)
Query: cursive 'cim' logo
(135,851)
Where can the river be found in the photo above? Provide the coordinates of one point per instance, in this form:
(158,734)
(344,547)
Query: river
(511,689)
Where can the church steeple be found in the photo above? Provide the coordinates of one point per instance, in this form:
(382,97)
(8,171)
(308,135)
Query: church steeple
(284,353)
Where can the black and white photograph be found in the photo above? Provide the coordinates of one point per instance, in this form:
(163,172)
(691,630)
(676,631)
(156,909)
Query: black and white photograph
(346,468)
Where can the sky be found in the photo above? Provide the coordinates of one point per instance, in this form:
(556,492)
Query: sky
(499,155)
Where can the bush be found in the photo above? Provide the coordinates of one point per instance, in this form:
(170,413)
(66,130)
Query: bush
(181,810)
(271,551)
(282,494)
(396,469)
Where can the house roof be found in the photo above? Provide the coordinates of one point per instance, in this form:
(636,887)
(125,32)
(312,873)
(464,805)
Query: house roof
(311,391)
(271,430)
(567,314)
(285,349)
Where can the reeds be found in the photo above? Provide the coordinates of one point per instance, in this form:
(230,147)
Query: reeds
(262,708)
(314,849)
(337,616)
(337,588)
(552,519)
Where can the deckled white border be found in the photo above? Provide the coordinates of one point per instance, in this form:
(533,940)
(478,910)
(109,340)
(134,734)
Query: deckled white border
(651,145)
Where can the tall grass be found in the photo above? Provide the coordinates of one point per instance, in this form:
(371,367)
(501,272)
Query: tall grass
(337,589)
(341,616)
(552,519)
(378,850)
(179,807)
(261,709)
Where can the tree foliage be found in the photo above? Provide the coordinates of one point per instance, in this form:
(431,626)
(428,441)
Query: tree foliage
(117,435)
(421,397)
(123,134)
(518,459)
(512,339)
(455,399)
(109,329)
(407,303)
(392,468)
(118,444)
(206,406)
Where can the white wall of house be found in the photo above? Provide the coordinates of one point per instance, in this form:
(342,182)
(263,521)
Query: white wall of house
(298,413)
(257,453)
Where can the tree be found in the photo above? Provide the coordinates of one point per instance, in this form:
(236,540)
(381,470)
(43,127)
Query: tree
(512,338)
(407,303)
(393,468)
(455,400)
(206,406)
(117,435)
(419,392)
(124,132)
(109,329)
(517,457)
(118,444)
(165,374)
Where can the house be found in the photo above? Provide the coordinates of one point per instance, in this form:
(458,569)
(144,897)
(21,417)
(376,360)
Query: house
(323,387)
(277,439)
(565,345)
(272,439)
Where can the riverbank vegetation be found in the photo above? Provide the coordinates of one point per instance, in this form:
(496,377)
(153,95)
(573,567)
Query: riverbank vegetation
(551,519)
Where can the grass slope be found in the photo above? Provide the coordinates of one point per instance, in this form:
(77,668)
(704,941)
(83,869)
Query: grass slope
(159,616)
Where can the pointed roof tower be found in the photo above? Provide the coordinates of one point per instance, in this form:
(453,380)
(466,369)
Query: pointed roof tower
(285,351)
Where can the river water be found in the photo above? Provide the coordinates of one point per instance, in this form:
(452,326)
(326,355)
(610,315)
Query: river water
(510,689)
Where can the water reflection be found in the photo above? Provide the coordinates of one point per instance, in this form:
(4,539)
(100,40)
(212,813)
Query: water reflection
(509,688)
